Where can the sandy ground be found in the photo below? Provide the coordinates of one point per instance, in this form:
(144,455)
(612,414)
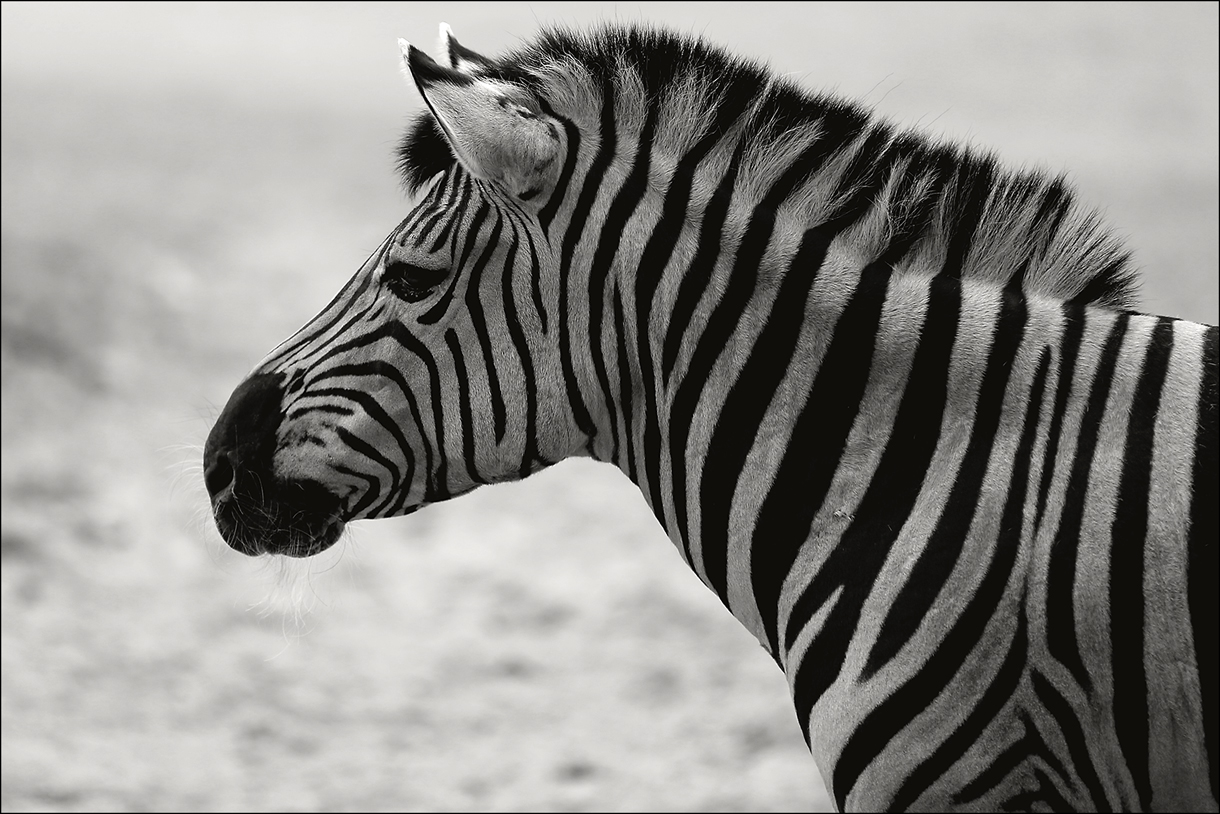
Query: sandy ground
(184,185)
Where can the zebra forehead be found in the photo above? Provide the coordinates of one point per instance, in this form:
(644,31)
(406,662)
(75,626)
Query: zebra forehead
(1025,222)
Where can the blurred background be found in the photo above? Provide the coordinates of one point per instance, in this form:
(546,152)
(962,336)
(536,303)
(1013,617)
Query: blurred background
(185,184)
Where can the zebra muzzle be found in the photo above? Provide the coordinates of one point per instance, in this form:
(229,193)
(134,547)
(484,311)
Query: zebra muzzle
(255,511)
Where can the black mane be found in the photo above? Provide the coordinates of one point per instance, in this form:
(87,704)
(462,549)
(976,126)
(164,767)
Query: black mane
(1016,221)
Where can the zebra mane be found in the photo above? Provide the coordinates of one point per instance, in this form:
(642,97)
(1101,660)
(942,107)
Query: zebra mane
(949,203)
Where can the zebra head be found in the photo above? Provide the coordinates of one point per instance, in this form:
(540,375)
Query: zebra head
(433,370)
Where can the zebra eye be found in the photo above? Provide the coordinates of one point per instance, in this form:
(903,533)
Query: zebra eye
(411,282)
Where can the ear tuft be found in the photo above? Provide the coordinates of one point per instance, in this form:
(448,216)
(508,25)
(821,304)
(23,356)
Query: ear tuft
(443,51)
(404,48)
(459,57)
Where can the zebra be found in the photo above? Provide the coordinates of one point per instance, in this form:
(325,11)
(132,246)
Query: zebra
(890,401)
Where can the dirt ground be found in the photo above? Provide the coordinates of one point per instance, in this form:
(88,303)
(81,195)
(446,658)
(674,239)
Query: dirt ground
(185,184)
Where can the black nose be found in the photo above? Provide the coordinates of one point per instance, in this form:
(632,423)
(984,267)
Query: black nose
(243,438)
(255,511)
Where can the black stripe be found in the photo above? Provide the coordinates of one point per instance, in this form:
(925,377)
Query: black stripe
(625,404)
(1073,735)
(478,319)
(655,257)
(325,353)
(467,420)
(535,274)
(1202,565)
(1129,536)
(447,209)
(724,319)
(469,241)
(358,444)
(528,384)
(391,372)
(610,236)
(967,735)
(1043,797)
(1030,745)
(896,482)
(845,369)
(699,274)
(395,331)
(332,409)
(1055,204)
(820,433)
(547,213)
(746,404)
(301,341)
(369,406)
(913,697)
(409,228)
(576,227)
(694,282)
(1069,351)
(372,482)
(944,546)
(998,693)
(868,171)
(898,479)
(969,192)
(744,410)
(1106,286)
(1061,569)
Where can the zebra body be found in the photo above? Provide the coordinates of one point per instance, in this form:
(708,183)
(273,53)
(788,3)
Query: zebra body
(888,401)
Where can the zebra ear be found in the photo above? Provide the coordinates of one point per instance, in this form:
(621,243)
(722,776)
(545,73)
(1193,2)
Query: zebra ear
(458,56)
(495,128)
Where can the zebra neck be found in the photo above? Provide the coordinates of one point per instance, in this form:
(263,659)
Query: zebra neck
(832,409)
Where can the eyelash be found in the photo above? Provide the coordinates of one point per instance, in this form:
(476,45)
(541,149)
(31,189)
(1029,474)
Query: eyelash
(411,282)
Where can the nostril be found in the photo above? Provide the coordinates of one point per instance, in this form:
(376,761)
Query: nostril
(218,475)
(242,442)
